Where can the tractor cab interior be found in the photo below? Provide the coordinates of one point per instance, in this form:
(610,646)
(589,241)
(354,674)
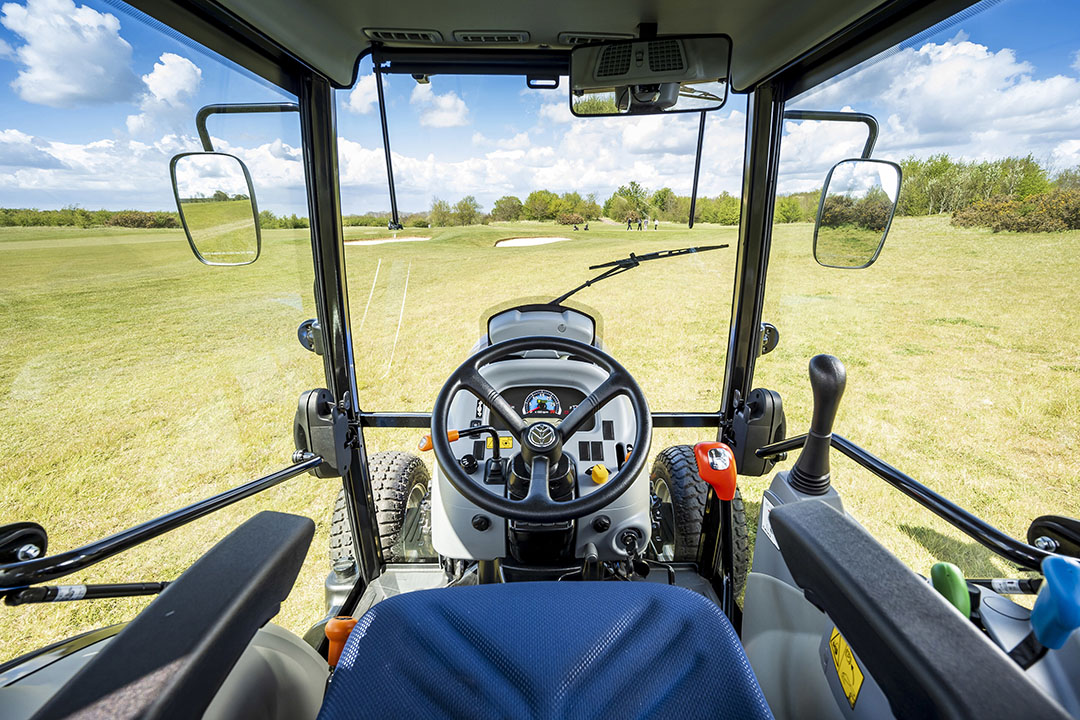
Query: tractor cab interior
(540,570)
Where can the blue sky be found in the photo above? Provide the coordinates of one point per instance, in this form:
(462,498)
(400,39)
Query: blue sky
(93,103)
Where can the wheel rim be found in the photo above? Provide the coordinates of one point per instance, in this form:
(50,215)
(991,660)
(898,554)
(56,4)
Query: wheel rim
(663,521)
(414,540)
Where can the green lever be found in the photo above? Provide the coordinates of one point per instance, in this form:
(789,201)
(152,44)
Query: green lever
(949,581)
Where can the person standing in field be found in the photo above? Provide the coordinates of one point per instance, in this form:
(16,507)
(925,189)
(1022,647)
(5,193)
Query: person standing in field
(656,224)
(629,222)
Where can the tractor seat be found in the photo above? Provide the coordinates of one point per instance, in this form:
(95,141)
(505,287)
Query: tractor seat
(545,650)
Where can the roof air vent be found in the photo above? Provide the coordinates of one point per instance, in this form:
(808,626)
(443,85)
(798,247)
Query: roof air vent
(665,56)
(394,35)
(583,38)
(491,37)
(614,61)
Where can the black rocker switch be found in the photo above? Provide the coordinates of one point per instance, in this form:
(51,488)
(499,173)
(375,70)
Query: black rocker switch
(810,473)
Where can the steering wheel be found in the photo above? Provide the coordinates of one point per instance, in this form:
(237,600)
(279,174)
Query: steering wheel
(541,442)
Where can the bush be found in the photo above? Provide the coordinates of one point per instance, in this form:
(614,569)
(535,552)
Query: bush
(143,220)
(1052,211)
(838,210)
(418,221)
(570,219)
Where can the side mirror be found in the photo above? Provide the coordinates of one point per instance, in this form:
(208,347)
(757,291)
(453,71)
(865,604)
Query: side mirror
(856,209)
(216,202)
(646,77)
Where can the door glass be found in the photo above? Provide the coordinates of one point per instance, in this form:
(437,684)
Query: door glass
(133,378)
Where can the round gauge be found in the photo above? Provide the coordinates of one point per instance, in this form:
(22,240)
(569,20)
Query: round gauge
(541,402)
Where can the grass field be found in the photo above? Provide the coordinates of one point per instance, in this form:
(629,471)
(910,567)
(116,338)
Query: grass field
(134,380)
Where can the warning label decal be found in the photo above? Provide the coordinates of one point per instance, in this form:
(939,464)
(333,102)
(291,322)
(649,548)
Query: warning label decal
(851,677)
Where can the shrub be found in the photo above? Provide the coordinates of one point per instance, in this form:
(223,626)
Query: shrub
(1052,211)
(143,220)
(570,219)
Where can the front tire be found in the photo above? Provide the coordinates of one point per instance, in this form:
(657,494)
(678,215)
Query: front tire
(678,508)
(400,484)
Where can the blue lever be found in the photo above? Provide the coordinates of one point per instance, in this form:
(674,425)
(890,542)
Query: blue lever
(1057,608)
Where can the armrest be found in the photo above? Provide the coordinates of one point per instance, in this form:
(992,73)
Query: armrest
(930,661)
(171,659)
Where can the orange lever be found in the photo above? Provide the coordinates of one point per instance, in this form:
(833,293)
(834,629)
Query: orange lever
(425,442)
(337,632)
(716,466)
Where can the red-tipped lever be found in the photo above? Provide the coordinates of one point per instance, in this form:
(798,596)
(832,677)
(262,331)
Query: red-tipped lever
(716,466)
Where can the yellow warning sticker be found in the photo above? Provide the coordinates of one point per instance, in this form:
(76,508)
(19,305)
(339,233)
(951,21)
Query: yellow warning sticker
(505,442)
(851,677)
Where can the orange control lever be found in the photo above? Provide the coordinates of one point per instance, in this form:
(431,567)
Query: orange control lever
(337,632)
(716,466)
(425,442)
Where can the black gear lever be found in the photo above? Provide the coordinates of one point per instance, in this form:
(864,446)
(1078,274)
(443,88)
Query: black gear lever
(810,473)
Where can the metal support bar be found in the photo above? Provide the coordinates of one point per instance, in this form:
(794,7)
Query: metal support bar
(866,119)
(318,134)
(423,420)
(386,148)
(764,126)
(436,61)
(235,108)
(976,528)
(68,593)
(697,167)
(18,575)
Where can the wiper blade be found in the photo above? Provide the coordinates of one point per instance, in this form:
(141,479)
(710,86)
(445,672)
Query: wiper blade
(629,263)
(635,260)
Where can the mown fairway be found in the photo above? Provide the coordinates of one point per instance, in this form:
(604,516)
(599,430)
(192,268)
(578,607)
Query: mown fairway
(134,380)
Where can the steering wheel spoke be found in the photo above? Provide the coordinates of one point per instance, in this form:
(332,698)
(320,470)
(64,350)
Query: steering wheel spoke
(475,383)
(539,495)
(612,387)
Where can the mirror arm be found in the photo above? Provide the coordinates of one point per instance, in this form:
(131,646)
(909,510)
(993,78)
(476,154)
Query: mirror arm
(866,119)
(386,149)
(230,108)
(697,167)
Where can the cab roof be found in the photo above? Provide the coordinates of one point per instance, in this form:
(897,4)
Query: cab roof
(769,37)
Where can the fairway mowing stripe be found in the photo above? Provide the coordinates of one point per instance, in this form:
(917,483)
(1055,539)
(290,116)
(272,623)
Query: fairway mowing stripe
(370,294)
(401,315)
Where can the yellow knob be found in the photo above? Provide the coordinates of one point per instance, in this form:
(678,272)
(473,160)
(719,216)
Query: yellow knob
(599,474)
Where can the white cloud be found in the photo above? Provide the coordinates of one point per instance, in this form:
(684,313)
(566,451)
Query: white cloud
(169,87)
(558,112)
(447,110)
(19,150)
(72,55)
(518,142)
(589,156)
(962,98)
(118,174)
(6,52)
(1076,61)
(365,96)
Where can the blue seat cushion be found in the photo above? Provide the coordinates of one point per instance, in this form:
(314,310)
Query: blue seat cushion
(601,650)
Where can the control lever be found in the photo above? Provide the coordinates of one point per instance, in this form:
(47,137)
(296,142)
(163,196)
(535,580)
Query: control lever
(810,474)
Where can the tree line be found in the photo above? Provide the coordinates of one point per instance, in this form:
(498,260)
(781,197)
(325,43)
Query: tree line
(1012,193)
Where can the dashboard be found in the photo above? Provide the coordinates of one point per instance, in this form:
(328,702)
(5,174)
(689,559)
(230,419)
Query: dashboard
(552,403)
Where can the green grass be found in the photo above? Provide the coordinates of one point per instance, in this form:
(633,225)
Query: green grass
(134,379)
(223,232)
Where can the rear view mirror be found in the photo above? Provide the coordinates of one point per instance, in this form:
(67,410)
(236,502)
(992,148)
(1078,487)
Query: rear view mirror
(645,77)
(856,209)
(216,202)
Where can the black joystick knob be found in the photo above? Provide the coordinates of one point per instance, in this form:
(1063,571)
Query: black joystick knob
(810,474)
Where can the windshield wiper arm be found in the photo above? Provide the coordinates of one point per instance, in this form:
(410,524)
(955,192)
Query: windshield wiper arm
(629,263)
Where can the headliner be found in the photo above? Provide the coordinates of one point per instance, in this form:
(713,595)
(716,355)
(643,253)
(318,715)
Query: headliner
(767,35)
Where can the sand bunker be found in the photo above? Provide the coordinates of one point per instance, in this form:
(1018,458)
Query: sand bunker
(380,241)
(525,241)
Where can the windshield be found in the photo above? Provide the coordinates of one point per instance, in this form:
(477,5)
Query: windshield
(507,199)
